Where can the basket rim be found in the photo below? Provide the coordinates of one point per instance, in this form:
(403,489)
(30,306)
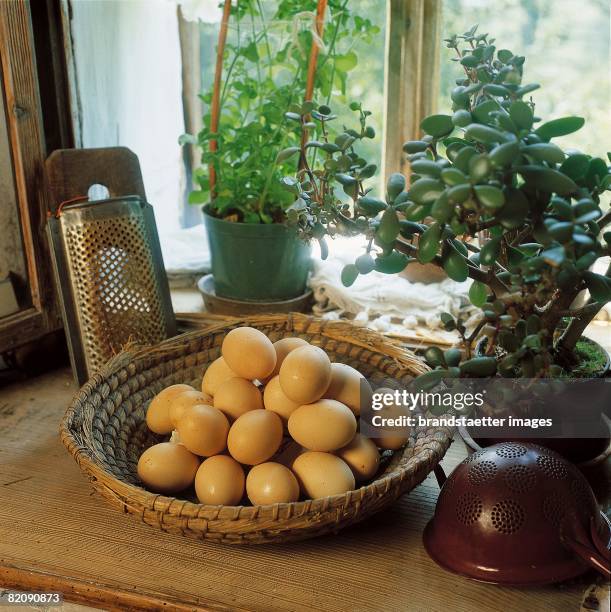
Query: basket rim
(412,459)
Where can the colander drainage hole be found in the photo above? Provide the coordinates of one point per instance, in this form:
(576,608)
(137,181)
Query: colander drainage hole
(552,466)
(519,478)
(553,509)
(510,450)
(468,508)
(481,472)
(507,516)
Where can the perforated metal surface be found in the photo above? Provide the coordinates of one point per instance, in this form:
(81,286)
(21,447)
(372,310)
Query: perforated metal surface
(517,502)
(113,281)
(507,516)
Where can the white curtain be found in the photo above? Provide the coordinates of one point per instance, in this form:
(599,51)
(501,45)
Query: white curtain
(128,76)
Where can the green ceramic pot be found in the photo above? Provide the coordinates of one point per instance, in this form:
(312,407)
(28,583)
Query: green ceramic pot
(257,262)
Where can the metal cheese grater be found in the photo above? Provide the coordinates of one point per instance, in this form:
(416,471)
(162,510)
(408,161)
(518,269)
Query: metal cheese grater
(106,256)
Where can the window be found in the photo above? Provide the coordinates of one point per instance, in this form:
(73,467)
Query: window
(365,53)
(566,44)
(142,92)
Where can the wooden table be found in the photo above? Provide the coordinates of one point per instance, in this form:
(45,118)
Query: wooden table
(56,534)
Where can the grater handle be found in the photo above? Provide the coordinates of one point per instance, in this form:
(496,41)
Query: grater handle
(440,475)
(71,172)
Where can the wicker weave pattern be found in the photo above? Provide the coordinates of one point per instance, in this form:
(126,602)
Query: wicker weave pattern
(105,431)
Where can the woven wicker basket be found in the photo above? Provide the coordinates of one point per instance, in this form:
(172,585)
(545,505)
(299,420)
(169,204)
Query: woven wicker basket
(105,431)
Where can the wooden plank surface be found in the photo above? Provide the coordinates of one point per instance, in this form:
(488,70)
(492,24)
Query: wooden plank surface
(56,534)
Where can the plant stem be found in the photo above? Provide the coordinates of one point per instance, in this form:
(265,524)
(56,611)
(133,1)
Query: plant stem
(216,106)
(254,33)
(266,38)
(312,62)
(273,166)
(577,326)
(497,286)
(592,307)
(605,219)
(331,52)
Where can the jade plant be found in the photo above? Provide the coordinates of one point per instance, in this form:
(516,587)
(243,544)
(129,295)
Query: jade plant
(265,65)
(491,197)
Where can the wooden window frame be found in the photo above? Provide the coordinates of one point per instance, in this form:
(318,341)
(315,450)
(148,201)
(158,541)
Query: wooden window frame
(29,147)
(411,75)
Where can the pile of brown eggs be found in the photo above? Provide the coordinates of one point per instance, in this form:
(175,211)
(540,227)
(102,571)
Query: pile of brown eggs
(277,421)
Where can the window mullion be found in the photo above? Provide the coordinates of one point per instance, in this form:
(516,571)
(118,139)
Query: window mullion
(411,76)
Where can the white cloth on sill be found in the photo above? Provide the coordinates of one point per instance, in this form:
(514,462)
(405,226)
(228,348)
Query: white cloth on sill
(186,254)
(382,301)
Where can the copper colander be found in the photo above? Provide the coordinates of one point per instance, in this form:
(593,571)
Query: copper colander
(519,514)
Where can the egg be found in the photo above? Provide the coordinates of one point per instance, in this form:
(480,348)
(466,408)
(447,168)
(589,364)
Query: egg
(349,387)
(158,413)
(362,457)
(255,437)
(325,425)
(249,353)
(275,400)
(236,396)
(220,481)
(203,430)
(185,400)
(305,374)
(167,467)
(322,475)
(271,483)
(283,347)
(391,437)
(216,373)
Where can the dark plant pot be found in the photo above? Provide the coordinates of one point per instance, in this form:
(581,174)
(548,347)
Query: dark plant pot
(480,349)
(257,262)
(585,452)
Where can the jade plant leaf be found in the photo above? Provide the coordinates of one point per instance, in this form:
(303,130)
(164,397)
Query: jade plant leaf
(286,154)
(389,226)
(371,206)
(503,154)
(395,185)
(479,367)
(455,266)
(521,114)
(598,285)
(489,196)
(575,166)
(478,292)
(349,275)
(428,244)
(437,125)
(365,263)
(545,151)
(490,251)
(484,134)
(391,264)
(548,179)
(559,127)
(426,190)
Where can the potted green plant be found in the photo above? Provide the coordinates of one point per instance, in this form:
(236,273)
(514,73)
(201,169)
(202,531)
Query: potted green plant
(491,197)
(272,66)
